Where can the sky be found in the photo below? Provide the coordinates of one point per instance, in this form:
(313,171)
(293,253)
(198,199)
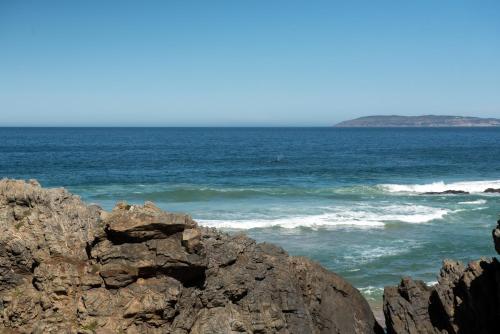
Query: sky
(245,63)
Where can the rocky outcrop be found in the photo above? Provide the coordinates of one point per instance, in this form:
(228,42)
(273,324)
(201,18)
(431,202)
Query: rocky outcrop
(66,267)
(496,237)
(492,190)
(446,192)
(465,300)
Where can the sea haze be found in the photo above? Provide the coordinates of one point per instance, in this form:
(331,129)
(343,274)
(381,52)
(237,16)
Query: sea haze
(348,198)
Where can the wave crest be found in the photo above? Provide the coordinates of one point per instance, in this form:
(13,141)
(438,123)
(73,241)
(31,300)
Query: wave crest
(473,187)
(363,217)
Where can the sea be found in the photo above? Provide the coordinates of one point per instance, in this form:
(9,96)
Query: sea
(351,199)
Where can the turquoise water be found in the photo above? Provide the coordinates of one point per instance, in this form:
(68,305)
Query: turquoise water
(348,198)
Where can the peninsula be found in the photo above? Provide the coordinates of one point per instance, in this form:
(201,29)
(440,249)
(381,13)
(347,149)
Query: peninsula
(418,121)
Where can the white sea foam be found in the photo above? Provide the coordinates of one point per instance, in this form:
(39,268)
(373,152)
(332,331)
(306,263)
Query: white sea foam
(361,254)
(313,221)
(479,202)
(471,187)
(469,210)
(359,217)
(413,213)
(371,292)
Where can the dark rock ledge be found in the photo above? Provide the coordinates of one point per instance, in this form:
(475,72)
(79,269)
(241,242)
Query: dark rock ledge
(446,192)
(67,267)
(465,300)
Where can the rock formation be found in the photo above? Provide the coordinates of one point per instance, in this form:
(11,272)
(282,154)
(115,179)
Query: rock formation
(446,192)
(496,237)
(66,267)
(465,300)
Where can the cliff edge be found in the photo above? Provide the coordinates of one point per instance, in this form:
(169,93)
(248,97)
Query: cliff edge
(67,267)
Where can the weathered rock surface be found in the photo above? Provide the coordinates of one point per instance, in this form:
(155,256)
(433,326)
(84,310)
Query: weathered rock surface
(492,190)
(66,267)
(465,300)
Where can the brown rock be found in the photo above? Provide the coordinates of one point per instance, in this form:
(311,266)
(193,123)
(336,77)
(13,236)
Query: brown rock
(70,268)
(133,223)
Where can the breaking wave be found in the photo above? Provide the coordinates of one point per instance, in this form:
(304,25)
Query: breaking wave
(364,217)
(470,186)
(478,202)
(372,293)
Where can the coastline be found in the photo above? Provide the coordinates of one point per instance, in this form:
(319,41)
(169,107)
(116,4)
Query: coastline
(425,121)
(140,269)
(141,250)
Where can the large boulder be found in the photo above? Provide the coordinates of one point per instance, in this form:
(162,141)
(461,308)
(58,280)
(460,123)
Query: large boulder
(66,267)
(465,300)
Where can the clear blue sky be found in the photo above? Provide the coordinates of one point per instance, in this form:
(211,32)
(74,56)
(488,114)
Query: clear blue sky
(245,63)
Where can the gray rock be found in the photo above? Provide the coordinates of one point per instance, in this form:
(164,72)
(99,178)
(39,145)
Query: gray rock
(465,300)
(496,237)
(446,192)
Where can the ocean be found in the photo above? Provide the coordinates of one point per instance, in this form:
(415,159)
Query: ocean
(350,199)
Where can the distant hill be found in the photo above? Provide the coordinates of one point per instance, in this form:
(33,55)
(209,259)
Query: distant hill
(418,121)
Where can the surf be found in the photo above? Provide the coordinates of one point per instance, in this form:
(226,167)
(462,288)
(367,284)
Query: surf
(472,187)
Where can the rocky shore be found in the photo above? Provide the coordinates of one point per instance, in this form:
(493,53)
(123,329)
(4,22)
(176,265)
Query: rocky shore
(68,267)
(465,300)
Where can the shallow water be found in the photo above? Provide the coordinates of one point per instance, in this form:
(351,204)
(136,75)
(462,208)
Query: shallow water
(348,198)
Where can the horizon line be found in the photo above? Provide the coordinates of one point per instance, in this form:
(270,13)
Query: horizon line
(235,127)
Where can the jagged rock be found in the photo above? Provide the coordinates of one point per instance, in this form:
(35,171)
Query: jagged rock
(465,300)
(70,268)
(492,190)
(496,237)
(130,224)
(446,192)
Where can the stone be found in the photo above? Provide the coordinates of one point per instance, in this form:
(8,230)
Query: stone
(496,237)
(465,300)
(446,192)
(132,223)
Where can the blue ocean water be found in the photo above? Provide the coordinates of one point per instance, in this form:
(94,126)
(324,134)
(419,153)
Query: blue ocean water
(348,198)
